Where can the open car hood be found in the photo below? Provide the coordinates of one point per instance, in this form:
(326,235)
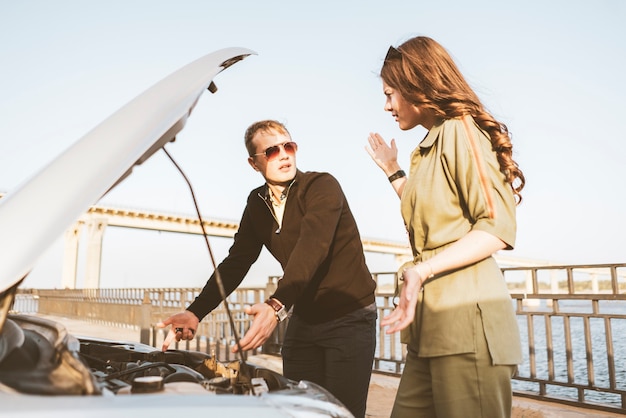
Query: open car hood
(80,176)
(99,378)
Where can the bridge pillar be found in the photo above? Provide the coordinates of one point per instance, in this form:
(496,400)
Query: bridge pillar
(70,257)
(595,287)
(95,233)
(530,289)
(554,282)
(554,286)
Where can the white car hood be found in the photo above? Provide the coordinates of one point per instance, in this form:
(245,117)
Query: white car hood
(80,176)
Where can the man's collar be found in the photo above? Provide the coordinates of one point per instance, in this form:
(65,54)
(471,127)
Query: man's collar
(285,193)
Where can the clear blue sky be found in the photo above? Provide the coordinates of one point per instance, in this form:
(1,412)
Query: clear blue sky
(552,71)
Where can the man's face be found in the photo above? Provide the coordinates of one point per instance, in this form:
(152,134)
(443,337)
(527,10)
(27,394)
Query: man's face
(277,169)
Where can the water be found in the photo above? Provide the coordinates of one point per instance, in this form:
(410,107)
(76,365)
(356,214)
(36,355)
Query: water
(598,374)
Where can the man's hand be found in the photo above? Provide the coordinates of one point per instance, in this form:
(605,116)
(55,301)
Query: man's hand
(184,326)
(262,327)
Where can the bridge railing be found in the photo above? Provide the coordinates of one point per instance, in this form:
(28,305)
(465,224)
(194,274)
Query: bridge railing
(572,319)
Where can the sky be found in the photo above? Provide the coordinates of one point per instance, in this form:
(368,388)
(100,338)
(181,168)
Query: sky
(553,72)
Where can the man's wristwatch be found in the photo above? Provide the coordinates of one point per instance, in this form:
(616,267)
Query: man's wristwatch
(279,309)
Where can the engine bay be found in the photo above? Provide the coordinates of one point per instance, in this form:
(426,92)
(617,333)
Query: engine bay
(136,368)
(38,356)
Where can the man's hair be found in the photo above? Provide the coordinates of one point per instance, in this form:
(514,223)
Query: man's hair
(266,126)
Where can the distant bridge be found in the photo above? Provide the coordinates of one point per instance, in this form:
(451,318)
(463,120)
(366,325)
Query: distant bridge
(97,218)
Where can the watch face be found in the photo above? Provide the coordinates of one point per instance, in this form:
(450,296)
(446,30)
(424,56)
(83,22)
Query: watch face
(281,314)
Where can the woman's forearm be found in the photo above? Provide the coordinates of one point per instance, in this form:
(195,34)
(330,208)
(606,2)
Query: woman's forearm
(473,247)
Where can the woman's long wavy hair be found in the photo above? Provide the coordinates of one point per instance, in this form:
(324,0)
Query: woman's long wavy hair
(426,76)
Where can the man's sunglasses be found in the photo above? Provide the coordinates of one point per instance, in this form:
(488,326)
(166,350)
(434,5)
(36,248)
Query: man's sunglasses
(274,151)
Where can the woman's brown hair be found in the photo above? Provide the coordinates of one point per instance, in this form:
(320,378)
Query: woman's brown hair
(425,75)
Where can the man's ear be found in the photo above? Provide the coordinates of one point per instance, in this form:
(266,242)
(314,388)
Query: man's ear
(252,164)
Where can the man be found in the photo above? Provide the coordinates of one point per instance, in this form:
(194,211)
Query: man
(303,219)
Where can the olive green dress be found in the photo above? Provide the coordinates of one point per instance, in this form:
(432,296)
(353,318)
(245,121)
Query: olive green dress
(455,186)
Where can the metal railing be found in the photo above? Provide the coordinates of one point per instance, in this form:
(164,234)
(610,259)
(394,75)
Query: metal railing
(572,319)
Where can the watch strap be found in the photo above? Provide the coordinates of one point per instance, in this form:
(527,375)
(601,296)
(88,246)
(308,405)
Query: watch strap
(279,309)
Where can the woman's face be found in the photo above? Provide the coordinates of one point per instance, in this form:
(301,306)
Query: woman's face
(406,114)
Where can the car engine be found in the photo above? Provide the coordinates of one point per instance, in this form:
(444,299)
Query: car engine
(38,356)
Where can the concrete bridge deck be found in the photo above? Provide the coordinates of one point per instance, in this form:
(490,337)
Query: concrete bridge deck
(382,387)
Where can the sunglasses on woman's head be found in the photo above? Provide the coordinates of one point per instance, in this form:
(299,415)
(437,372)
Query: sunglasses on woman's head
(393,53)
(274,151)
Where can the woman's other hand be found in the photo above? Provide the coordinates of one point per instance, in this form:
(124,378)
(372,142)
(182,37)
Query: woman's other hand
(404,313)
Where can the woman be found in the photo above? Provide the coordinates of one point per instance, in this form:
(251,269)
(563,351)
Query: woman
(458,204)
